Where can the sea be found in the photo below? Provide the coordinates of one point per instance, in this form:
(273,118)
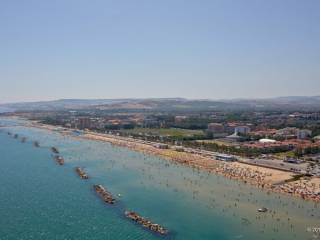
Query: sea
(40,199)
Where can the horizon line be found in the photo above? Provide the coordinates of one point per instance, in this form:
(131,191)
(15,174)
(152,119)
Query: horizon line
(162,98)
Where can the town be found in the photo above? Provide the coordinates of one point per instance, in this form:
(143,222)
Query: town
(149,120)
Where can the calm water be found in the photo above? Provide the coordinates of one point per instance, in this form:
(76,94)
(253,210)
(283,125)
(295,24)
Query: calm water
(41,200)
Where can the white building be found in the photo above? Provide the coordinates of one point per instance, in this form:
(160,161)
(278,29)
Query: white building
(266,140)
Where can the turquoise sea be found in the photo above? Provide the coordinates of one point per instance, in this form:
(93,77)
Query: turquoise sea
(42,200)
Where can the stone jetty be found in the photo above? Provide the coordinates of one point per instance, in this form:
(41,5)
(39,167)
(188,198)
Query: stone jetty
(104,194)
(59,160)
(82,174)
(146,223)
(54,150)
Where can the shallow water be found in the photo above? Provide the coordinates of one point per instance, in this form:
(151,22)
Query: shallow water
(42,200)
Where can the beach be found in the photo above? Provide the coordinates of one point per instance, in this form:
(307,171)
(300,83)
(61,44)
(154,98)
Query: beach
(144,180)
(262,177)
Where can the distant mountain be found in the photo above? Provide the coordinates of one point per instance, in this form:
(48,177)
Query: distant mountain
(297,100)
(6,109)
(286,103)
(58,104)
(170,104)
(74,104)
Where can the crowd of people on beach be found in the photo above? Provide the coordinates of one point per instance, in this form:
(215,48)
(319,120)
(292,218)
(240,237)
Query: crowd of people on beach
(301,188)
(255,177)
(243,173)
(197,163)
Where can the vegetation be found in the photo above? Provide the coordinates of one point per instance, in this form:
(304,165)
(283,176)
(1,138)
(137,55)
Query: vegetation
(299,152)
(164,134)
(234,149)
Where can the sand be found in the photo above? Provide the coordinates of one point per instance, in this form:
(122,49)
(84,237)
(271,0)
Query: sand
(262,177)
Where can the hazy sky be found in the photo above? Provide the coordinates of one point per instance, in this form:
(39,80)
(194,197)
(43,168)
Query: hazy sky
(158,48)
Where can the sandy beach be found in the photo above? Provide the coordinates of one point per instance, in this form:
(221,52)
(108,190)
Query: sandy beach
(265,178)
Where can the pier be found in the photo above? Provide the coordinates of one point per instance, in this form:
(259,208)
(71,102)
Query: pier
(104,194)
(146,223)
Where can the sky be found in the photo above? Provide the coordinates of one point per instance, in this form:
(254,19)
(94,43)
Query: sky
(213,49)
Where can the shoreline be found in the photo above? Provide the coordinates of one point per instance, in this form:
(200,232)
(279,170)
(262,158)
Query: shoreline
(267,179)
(270,180)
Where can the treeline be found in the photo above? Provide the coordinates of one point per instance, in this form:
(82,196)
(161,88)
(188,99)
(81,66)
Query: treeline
(164,139)
(299,152)
(119,127)
(237,150)
(53,121)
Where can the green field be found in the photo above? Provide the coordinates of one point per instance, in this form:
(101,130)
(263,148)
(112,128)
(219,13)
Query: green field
(218,142)
(283,155)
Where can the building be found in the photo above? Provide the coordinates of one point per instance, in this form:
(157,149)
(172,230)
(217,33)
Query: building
(161,146)
(266,140)
(241,130)
(234,138)
(229,127)
(225,157)
(288,132)
(292,160)
(179,119)
(83,122)
(216,127)
(216,130)
(304,134)
(317,138)
(150,122)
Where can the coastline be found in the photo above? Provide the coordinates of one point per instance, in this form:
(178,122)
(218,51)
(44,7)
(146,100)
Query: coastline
(267,179)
